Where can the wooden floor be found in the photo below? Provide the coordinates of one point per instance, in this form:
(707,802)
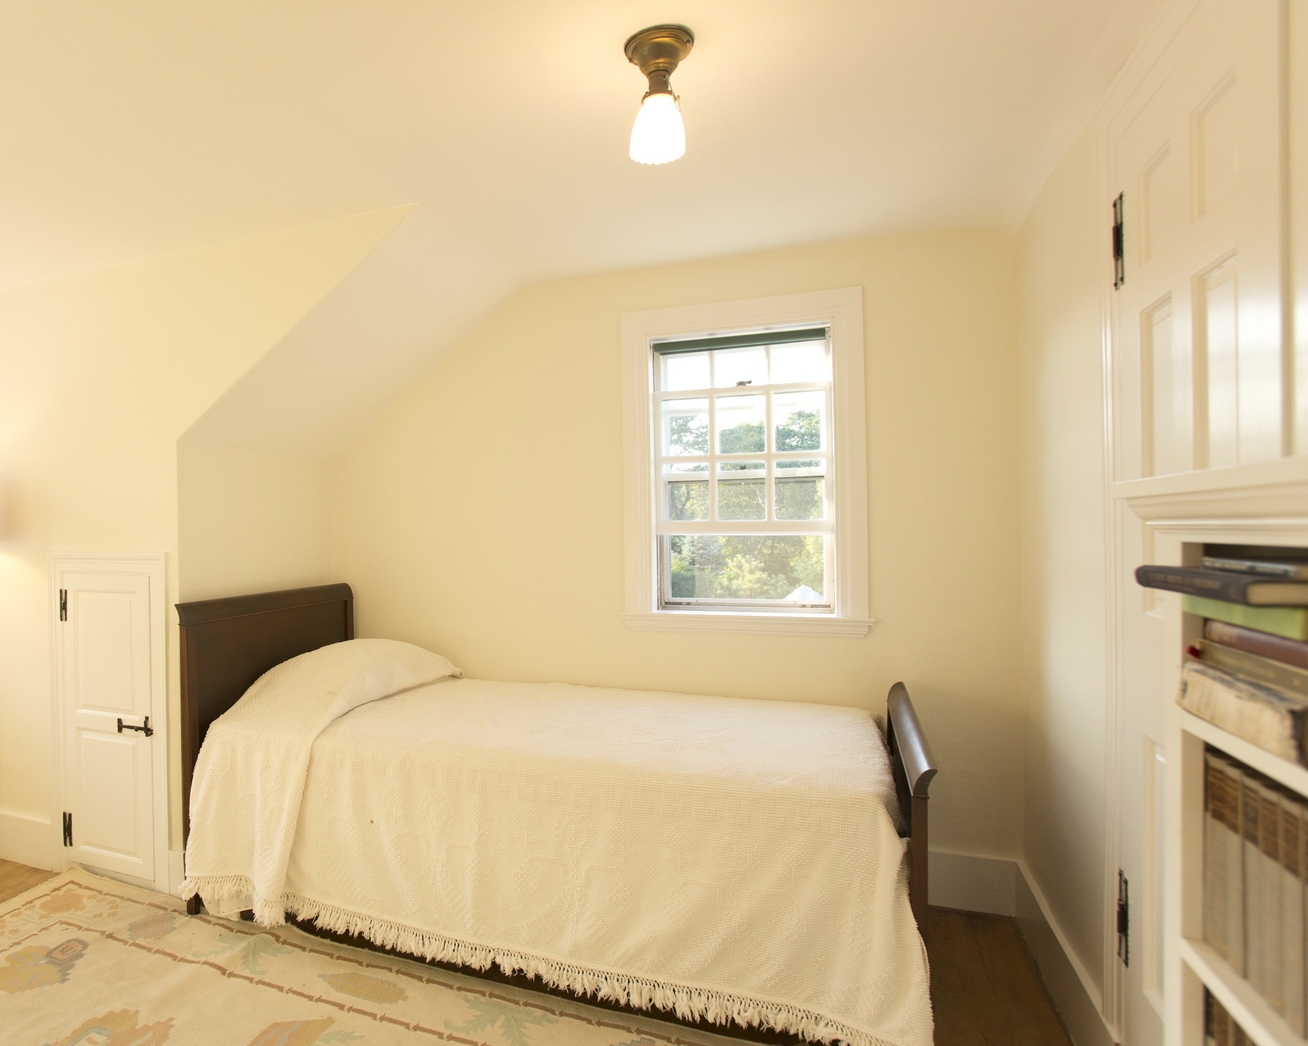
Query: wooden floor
(983,981)
(985,986)
(18,878)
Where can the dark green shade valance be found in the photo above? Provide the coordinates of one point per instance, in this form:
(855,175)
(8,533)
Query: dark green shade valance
(739,341)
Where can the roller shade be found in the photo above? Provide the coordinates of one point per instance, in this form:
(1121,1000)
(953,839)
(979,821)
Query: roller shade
(738,341)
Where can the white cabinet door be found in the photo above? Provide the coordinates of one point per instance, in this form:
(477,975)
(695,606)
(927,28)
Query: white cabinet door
(1198,356)
(108,685)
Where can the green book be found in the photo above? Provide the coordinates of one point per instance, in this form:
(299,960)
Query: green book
(1290,622)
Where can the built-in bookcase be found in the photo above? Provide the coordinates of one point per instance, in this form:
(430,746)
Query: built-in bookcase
(1192,965)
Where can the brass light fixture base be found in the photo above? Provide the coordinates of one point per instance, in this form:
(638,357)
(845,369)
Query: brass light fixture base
(658,50)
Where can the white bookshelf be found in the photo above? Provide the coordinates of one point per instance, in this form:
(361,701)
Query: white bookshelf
(1292,775)
(1193,963)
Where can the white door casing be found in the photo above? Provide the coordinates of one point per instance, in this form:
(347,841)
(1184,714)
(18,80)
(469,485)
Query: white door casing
(1197,366)
(109,685)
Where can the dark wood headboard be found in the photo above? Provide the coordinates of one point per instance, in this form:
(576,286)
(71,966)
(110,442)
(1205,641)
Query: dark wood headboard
(229,643)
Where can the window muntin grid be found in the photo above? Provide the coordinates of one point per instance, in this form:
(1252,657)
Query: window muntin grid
(739,453)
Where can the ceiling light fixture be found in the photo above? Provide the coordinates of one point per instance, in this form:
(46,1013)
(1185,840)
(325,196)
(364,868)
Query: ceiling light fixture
(658,135)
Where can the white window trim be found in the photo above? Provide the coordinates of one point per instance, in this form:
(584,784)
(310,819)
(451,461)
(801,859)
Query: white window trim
(843,311)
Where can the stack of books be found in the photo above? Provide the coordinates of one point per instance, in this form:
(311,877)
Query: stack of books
(1249,672)
(1255,864)
(1220,1028)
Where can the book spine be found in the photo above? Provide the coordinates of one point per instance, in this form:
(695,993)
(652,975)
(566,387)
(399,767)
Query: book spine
(1215,852)
(1264,644)
(1232,818)
(1291,571)
(1211,584)
(1269,903)
(1254,668)
(1290,622)
(1262,717)
(1254,889)
(1214,1013)
(1292,939)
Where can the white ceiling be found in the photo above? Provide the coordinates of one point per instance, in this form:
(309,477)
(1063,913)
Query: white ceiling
(136,129)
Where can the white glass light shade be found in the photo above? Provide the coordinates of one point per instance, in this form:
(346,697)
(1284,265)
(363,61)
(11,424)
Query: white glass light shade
(658,135)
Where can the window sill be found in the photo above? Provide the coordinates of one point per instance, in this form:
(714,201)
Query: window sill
(750,624)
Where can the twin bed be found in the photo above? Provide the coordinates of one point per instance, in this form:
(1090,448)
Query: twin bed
(723,860)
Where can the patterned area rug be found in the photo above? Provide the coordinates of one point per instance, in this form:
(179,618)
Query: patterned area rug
(85,961)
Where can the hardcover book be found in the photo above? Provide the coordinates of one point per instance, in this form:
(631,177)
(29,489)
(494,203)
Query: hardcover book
(1255,886)
(1220,1028)
(1267,568)
(1290,622)
(1253,667)
(1246,589)
(1223,897)
(1230,818)
(1269,718)
(1269,903)
(1292,940)
(1278,648)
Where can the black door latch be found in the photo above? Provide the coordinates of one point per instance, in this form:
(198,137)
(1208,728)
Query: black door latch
(147,729)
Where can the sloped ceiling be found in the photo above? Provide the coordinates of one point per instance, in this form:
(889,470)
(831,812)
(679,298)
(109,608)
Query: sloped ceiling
(137,129)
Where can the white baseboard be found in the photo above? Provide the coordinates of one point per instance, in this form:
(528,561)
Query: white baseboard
(1077,997)
(25,839)
(973,884)
(1000,886)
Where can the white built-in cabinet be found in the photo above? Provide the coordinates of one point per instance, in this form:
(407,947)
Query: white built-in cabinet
(1205,140)
(110,715)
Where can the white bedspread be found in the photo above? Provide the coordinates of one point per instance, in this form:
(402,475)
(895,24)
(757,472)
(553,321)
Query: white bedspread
(720,857)
(250,774)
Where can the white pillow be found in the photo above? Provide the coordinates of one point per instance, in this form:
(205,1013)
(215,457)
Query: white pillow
(325,683)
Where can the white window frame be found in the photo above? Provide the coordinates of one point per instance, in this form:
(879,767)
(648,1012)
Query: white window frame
(842,311)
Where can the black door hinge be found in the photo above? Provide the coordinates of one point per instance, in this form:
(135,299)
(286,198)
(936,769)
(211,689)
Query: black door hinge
(1119,249)
(68,828)
(63,604)
(1123,919)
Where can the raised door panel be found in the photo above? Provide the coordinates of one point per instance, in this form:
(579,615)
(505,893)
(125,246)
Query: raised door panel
(109,822)
(107,647)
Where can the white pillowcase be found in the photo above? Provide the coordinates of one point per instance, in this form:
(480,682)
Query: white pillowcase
(343,676)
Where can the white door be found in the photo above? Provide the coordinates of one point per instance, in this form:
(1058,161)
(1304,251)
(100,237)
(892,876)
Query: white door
(109,687)
(1193,149)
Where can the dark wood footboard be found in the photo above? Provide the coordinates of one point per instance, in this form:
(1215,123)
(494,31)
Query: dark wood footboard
(914,768)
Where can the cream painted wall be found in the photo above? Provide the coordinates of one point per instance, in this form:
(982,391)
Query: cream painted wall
(250,521)
(1064,548)
(99,375)
(481,514)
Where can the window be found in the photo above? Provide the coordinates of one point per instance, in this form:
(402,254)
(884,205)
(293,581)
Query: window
(745,517)
(746,476)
